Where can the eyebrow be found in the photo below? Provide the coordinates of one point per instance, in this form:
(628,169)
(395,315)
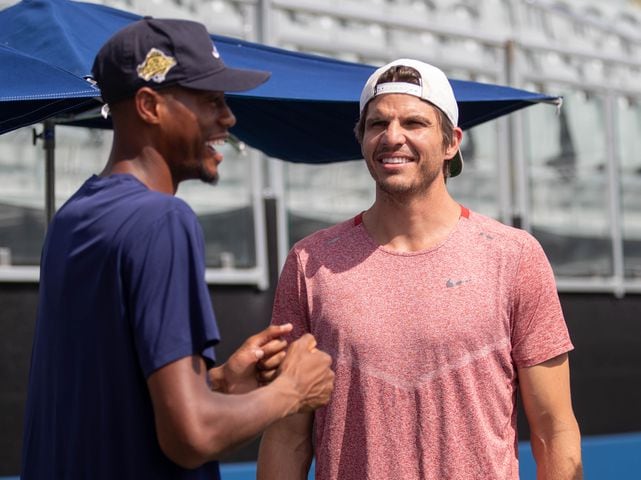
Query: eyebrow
(410,117)
(419,116)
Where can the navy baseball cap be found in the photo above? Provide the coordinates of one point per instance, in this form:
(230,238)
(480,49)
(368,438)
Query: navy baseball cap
(158,53)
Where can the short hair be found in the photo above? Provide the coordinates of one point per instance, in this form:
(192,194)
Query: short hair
(402,73)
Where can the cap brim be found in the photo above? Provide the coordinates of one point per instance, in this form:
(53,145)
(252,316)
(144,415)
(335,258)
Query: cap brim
(456,164)
(229,80)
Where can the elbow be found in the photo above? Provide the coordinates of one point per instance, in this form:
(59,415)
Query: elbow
(190,449)
(183,451)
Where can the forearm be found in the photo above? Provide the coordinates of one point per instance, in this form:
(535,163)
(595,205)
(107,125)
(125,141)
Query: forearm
(558,455)
(556,441)
(195,424)
(239,418)
(226,422)
(286,449)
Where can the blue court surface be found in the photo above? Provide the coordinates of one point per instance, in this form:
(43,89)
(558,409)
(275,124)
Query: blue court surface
(604,458)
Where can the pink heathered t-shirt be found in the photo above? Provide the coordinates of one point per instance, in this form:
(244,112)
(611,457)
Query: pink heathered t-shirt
(425,347)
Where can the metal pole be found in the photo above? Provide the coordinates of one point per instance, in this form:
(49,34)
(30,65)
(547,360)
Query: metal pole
(263,21)
(49,145)
(516,170)
(614,196)
(273,194)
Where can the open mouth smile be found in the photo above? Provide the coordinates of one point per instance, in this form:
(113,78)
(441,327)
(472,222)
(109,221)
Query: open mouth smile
(395,160)
(212,144)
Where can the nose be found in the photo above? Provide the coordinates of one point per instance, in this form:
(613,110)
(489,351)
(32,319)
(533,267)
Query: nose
(227,118)
(394,134)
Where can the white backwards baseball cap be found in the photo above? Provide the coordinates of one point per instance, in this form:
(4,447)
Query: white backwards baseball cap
(434,88)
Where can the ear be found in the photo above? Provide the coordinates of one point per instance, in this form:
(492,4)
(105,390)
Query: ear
(457,138)
(148,103)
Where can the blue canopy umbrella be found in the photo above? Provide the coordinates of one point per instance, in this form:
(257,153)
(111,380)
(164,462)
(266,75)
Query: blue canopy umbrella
(305,113)
(33,90)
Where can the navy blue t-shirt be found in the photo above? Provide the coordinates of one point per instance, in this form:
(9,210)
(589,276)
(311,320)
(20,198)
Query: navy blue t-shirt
(122,293)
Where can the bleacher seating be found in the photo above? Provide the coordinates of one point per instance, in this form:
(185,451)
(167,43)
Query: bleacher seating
(585,49)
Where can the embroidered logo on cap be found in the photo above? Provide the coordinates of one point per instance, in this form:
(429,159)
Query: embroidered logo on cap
(156,66)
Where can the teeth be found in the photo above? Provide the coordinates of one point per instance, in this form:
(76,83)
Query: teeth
(213,143)
(396,160)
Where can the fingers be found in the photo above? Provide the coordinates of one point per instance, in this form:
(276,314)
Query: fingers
(275,353)
(273,347)
(307,341)
(272,362)
(268,341)
(269,350)
(272,332)
(266,376)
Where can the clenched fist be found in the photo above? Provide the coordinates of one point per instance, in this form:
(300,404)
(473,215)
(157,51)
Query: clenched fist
(308,371)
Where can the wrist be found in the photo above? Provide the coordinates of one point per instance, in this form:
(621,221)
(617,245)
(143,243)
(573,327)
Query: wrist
(285,388)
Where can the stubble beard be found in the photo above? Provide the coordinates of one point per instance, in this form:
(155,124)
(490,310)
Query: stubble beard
(208,178)
(406,189)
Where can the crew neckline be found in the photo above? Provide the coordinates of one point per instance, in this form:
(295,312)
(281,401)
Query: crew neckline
(358,223)
(116,177)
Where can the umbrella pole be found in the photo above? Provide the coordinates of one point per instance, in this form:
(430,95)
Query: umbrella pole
(49,139)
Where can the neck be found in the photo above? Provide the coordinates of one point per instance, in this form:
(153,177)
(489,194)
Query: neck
(411,224)
(143,162)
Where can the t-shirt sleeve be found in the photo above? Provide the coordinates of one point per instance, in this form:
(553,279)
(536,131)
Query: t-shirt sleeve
(170,309)
(290,301)
(539,332)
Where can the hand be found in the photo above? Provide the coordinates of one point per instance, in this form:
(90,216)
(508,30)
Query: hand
(308,370)
(255,363)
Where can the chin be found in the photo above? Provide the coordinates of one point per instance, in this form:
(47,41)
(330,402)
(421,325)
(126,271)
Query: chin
(209,176)
(401,190)
(395,187)
(211,179)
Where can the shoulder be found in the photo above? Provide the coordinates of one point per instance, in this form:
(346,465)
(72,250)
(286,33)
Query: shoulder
(122,196)
(512,250)
(327,238)
(152,214)
(331,248)
(157,205)
(160,214)
(498,236)
(137,214)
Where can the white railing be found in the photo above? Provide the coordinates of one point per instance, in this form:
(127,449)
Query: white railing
(524,43)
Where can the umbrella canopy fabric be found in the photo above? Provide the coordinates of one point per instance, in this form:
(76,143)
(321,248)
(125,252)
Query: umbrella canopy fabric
(33,90)
(305,113)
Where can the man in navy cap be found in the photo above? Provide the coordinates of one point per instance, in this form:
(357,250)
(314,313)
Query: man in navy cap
(122,384)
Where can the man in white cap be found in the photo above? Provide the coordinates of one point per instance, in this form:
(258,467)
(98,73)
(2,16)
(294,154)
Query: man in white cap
(433,316)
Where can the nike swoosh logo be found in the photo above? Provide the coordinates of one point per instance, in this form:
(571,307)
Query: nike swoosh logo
(456,283)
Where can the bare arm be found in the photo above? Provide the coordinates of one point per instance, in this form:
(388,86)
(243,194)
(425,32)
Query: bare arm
(556,441)
(286,449)
(195,424)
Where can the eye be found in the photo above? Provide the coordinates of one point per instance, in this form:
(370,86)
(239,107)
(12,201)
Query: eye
(377,124)
(416,123)
(214,100)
